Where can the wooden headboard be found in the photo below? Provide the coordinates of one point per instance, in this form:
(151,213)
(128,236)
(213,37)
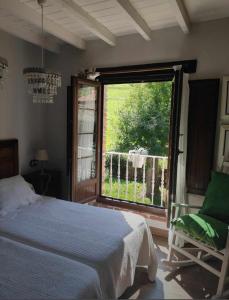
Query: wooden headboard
(8,158)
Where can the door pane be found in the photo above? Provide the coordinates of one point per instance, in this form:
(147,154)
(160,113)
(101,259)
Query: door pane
(87,112)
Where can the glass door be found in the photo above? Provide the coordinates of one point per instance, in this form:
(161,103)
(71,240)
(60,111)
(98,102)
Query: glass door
(85,139)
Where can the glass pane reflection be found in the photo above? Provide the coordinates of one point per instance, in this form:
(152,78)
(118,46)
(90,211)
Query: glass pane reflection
(86,133)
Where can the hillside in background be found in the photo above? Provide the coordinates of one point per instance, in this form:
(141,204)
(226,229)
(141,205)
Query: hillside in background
(117,94)
(138,116)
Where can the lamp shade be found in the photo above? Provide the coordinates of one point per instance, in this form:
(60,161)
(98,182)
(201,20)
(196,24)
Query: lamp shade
(41,155)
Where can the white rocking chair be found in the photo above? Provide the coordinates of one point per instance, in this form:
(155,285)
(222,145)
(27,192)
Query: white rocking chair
(203,253)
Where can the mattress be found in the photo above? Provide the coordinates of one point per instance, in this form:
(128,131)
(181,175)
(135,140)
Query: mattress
(111,242)
(28,273)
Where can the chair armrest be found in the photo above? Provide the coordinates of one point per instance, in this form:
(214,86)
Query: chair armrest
(178,207)
(185,205)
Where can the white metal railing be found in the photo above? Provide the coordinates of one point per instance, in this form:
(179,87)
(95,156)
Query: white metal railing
(151,177)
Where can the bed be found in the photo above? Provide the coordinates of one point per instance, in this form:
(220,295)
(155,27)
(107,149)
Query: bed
(29,273)
(111,242)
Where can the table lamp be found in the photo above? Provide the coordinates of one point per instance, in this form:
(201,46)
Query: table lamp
(42,156)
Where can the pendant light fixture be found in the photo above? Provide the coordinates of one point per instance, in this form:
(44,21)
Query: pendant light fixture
(42,84)
(3,70)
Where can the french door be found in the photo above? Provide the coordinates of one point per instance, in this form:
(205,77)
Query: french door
(83,139)
(174,74)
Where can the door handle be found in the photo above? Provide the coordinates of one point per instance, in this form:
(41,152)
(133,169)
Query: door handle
(179,152)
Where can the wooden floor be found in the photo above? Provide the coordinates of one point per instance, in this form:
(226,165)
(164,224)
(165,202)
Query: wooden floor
(187,283)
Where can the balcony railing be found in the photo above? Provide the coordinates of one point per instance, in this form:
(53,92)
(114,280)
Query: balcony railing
(143,184)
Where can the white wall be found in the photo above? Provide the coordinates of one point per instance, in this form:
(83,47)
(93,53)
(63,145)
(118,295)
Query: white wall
(208,43)
(68,62)
(19,118)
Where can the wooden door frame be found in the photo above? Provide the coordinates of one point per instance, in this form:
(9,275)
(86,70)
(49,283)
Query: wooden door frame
(112,201)
(72,129)
(127,78)
(174,136)
(189,66)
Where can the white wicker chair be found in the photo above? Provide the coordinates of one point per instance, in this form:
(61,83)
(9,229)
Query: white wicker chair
(200,253)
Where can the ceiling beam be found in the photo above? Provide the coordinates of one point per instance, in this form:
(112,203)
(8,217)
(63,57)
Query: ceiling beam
(181,14)
(91,23)
(139,23)
(30,15)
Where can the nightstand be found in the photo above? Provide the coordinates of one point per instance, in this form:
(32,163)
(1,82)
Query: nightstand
(48,183)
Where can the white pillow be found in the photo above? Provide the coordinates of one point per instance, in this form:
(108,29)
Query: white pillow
(14,193)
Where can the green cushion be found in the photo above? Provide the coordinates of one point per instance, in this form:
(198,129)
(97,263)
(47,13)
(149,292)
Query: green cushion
(216,203)
(203,228)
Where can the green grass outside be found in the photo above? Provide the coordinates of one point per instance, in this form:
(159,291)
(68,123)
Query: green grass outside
(116,98)
(130,195)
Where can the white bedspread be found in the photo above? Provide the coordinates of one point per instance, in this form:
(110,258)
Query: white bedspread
(28,273)
(110,241)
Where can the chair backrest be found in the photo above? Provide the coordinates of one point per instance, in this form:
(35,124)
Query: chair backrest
(216,203)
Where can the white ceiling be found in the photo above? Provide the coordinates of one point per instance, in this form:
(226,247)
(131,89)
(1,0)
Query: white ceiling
(76,21)
(156,13)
